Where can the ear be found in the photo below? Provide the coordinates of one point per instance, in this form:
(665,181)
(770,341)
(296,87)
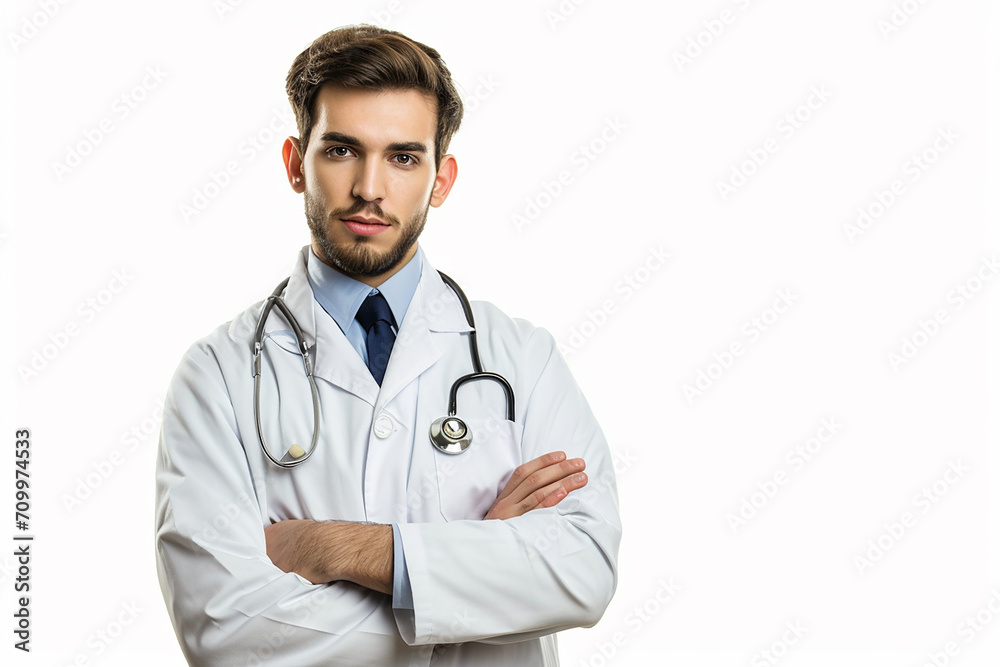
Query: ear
(292,158)
(446,175)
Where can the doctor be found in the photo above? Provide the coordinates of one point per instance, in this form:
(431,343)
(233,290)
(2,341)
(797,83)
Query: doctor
(379,549)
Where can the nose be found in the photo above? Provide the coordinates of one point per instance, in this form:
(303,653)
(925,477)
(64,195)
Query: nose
(369,182)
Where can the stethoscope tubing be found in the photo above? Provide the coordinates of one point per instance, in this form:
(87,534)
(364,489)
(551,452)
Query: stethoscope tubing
(275,300)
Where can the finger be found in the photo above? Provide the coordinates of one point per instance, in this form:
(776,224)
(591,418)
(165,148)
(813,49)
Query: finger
(561,489)
(552,493)
(525,470)
(546,476)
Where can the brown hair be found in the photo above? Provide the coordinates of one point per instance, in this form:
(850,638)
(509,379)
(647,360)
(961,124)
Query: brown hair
(373,58)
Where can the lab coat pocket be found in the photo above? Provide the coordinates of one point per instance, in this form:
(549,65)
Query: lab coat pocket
(469,483)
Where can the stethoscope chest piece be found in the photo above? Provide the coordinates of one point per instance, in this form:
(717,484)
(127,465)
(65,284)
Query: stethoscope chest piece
(451,435)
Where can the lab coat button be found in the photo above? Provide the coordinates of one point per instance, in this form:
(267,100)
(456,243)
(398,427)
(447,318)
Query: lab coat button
(383,426)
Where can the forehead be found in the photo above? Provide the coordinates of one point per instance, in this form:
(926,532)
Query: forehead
(376,117)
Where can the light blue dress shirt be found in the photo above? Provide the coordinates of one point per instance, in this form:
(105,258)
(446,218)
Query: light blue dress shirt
(341,297)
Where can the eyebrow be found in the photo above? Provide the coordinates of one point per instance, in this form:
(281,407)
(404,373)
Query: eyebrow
(407,146)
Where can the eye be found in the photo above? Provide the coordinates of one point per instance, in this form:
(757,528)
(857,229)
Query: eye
(405,160)
(338,151)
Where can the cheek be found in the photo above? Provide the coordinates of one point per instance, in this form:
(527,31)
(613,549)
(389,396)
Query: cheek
(315,198)
(323,176)
(412,193)
(326,190)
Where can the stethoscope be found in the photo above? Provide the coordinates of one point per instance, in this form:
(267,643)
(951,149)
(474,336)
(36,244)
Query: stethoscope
(449,434)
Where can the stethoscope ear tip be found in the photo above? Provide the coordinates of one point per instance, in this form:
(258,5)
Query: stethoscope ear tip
(293,455)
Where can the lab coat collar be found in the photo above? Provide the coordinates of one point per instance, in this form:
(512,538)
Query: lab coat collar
(341,296)
(433,310)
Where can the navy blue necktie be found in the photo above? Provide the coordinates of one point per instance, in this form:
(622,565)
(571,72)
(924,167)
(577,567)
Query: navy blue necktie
(376,318)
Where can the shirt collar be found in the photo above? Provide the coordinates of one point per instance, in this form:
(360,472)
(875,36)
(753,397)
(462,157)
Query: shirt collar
(341,296)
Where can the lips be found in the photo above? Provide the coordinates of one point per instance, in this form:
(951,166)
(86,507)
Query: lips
(365,226)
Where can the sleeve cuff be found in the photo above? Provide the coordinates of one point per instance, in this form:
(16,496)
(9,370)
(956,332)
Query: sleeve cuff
(402,594)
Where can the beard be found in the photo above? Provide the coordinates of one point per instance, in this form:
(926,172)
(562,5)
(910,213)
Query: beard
(358,257)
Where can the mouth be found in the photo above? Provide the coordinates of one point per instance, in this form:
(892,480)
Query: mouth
(365,226)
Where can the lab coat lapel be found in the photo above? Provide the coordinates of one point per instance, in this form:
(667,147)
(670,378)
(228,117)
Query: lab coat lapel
(338,362)
(334,360)
(434,310)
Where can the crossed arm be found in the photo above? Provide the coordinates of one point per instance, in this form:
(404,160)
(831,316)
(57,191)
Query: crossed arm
(324,551)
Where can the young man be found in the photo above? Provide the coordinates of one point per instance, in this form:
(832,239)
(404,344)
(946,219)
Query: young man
(381,548)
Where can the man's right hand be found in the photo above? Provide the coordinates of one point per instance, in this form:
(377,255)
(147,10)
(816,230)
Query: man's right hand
(541,482)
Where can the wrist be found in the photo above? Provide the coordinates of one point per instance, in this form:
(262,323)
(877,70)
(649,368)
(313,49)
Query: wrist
(357,552)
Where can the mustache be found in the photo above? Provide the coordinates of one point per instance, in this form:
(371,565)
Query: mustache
(363,207)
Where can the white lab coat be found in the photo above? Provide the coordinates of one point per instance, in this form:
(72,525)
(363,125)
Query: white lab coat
(484,592)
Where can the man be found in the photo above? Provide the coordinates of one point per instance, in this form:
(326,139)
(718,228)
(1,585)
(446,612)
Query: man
(380,549)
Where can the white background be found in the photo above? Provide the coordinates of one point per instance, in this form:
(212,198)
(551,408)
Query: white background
(672,132)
